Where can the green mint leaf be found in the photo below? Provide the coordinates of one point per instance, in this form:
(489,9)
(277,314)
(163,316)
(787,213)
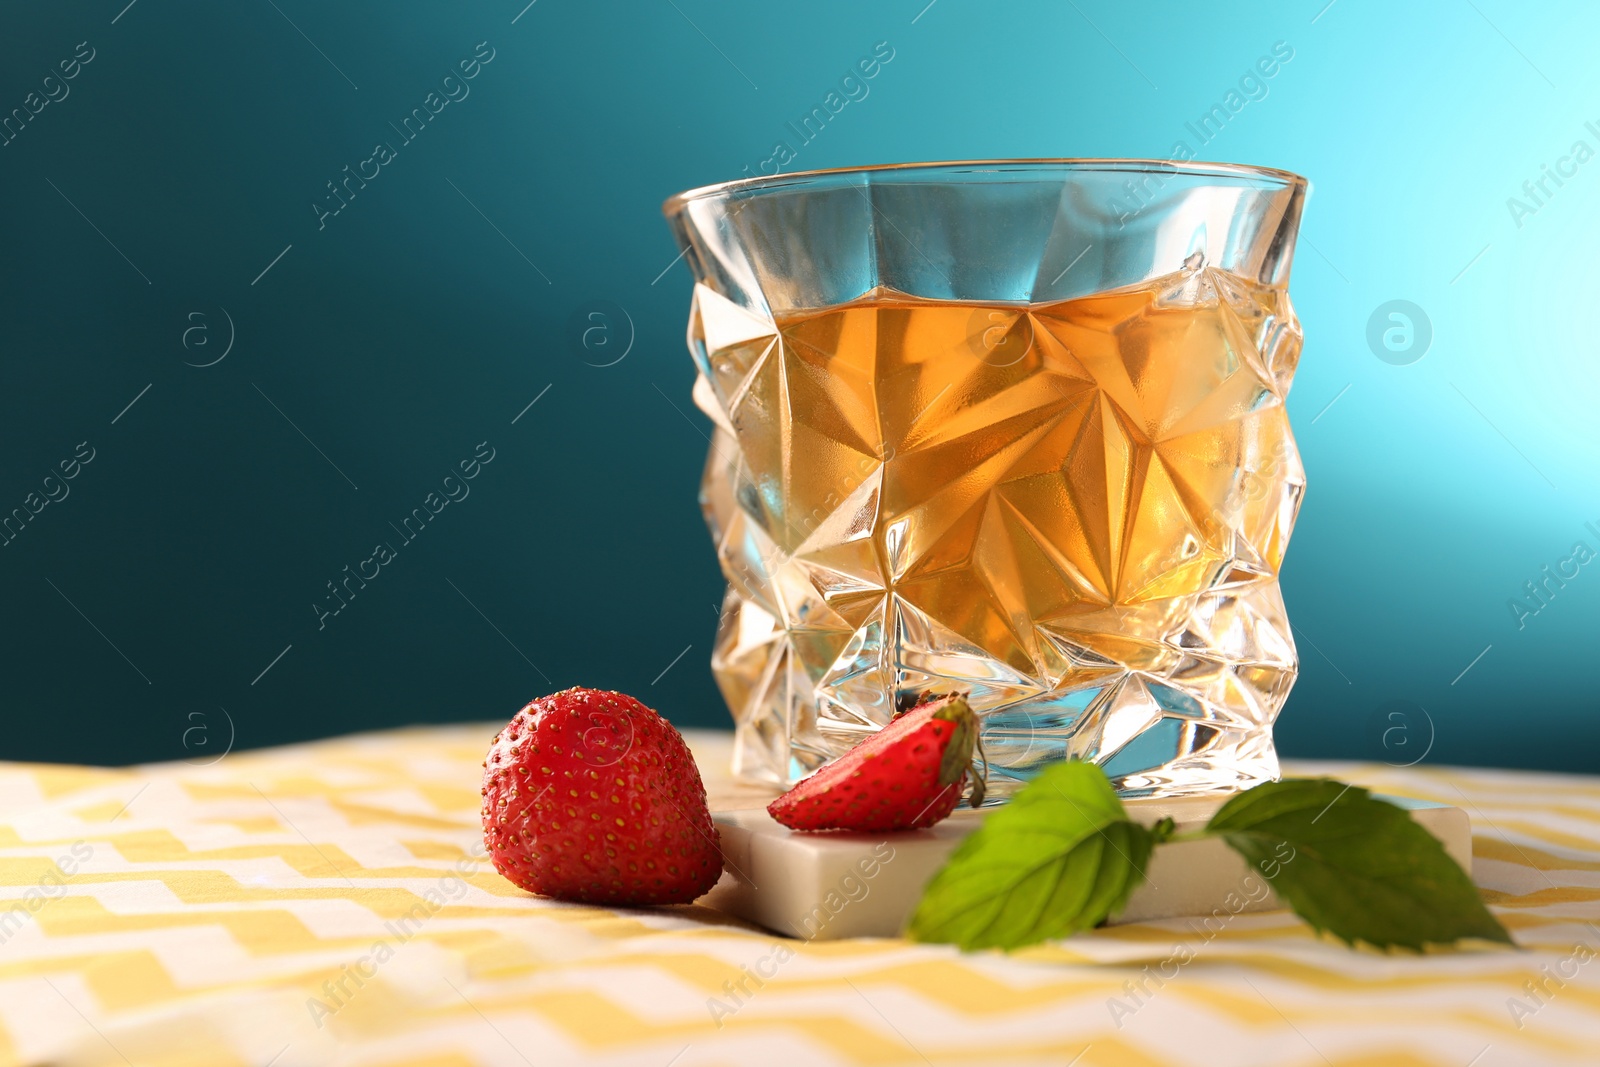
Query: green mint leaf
(1355,866)
(1061,857)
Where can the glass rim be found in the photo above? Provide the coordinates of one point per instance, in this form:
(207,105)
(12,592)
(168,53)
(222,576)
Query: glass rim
(1192,168)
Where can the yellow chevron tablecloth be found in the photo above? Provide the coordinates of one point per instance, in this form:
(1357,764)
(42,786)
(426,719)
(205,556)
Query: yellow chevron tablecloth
(328,904)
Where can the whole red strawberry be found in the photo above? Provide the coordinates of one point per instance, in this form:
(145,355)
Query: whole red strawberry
(904,777)
(591,796)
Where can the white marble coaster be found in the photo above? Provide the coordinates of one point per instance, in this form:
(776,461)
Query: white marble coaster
(824,886)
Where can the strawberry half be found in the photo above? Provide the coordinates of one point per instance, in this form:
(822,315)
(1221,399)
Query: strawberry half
(906,776)
(590,796)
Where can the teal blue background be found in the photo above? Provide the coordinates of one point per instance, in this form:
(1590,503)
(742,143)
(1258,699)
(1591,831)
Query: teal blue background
(142,609)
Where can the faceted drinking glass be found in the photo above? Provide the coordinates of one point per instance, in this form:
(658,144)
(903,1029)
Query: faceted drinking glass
(1010,428)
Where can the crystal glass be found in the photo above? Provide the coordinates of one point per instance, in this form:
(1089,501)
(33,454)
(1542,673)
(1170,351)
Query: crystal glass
(1012,428)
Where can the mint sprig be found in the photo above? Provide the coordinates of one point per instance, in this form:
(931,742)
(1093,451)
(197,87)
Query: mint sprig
(1063,856)
(1058,859)
(1355,866)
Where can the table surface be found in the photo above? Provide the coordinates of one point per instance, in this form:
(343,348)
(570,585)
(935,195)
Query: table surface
(328,903)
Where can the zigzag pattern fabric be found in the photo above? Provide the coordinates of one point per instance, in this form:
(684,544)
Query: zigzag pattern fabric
(329,903)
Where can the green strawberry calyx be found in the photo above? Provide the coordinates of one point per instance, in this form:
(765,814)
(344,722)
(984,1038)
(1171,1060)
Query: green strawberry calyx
(964,744)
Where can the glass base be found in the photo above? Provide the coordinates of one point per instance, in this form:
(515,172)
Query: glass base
(1180,724)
